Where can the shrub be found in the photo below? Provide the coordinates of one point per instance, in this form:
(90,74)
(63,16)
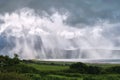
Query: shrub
(13,76)
(83,68)
(115,69)
(94,70)
(79,67)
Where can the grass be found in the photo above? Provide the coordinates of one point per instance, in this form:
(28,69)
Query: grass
(44,67)
(45,70)
(59,77)
(54,71)
(57,66)
(104,65)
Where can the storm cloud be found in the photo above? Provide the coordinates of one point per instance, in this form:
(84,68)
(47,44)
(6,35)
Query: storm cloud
(94,22)
(81,11)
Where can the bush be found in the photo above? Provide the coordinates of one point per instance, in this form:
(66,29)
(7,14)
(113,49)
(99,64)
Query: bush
(34,76)
(7,61)
(79,67)
(20,68)
(13,76)
(94,70)
(115,69)
(83,68)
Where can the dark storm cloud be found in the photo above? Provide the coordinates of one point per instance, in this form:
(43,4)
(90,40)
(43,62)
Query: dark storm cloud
(81,11)
(11,5)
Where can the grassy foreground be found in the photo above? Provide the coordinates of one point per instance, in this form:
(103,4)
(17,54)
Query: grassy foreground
(15,69)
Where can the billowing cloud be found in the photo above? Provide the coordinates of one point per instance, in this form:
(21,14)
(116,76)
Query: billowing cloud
(60,28)
(86,12)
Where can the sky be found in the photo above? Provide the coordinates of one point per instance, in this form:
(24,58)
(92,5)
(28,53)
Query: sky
(81,11)
(94,22)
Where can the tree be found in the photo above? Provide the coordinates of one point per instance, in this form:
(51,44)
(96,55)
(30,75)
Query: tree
(2,61)
(16,59)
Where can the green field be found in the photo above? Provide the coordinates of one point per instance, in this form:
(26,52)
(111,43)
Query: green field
(15,69)
(53,66)
(59,67)
(44,67)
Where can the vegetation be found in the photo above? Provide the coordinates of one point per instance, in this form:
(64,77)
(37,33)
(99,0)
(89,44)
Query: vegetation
(16,69)
(85,69)
(43,67)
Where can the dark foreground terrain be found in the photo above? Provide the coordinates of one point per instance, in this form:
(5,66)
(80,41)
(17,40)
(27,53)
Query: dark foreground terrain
(15,69)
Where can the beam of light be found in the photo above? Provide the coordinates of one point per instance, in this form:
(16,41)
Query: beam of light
(33,36)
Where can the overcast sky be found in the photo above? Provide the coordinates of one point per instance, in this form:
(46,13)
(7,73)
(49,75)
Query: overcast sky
(86,12)
(81,11)
(102,17)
